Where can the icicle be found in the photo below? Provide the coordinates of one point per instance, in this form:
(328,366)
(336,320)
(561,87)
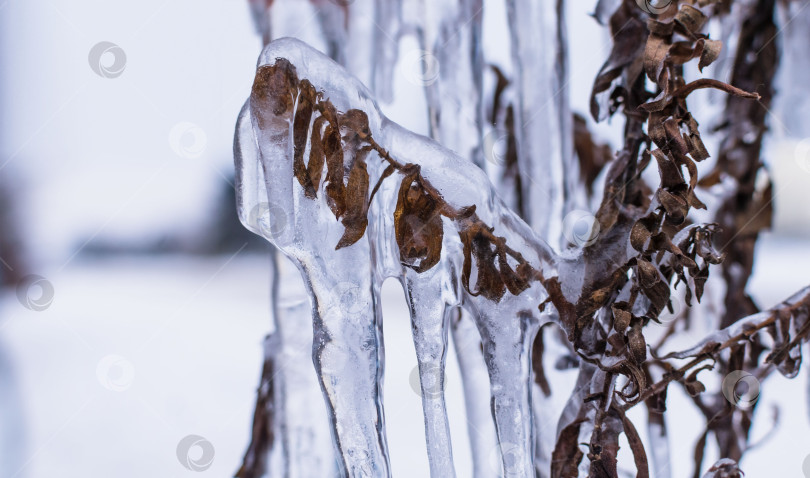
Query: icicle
(304,423)
(659,448)
(344,350)
(361,34)
(544,131)
(333,18)
(452,69)
(346,30)
(480,428)
(427,299)
(542,451)
(793,98)
(386,47)
(507,346)
(288,349)
(260,10)
(542,410)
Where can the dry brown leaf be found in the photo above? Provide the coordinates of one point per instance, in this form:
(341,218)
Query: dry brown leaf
(418,225)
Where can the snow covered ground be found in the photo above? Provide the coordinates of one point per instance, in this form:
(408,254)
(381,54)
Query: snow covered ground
(136,353)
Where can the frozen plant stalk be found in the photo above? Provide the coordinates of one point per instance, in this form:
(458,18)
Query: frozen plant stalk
(544,127)
(366,200)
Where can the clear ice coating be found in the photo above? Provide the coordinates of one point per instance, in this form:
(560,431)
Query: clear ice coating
(544,137)
(794,66)
(301,447)
(300,444)
(344,258)
(452,74)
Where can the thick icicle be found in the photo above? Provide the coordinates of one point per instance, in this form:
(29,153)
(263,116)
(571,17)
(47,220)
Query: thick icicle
(386,35)
(452,69)
(793,100)
(428,302)
(543,130)
(260,10)
(481,430)
(305,426)
(659,447)
(345,342)
(346,31)
(544,124)
(298,418)
(507,345)
(278,454)
(305,105)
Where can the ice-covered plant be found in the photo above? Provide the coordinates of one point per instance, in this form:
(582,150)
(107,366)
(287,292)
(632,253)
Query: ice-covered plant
(366,199)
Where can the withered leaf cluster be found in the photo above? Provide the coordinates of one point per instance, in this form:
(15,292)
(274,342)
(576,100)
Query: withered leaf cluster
(625,291)
(340,143)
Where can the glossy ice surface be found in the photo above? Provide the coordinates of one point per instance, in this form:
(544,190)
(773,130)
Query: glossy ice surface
(344,282)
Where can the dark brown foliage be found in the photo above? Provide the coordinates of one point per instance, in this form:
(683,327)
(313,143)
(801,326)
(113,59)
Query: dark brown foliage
(418,225)
(591,155)
(342,142)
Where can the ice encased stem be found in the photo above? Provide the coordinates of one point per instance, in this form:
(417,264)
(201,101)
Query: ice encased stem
(475,380)
(302,448)
(544,124)
(429,315)
(451,31)
(344,283)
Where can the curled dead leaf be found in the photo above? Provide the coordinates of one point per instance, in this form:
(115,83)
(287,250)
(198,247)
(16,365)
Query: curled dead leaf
(418,225)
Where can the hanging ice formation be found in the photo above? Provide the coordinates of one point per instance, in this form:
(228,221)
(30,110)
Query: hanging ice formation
(364,199)
(290,424)
(544,132)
